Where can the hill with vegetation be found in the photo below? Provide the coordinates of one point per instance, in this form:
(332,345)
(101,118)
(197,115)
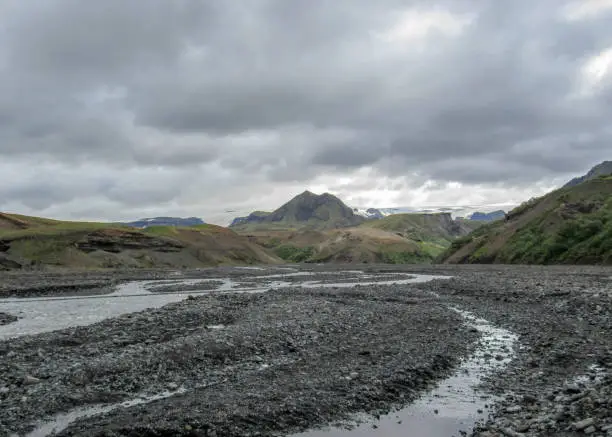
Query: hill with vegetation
(438,228)
(307,210)
(345,245)
(395,239)
(572,225)
(33,242)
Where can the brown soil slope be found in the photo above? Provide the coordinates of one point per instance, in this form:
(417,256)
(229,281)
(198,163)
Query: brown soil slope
(30,242)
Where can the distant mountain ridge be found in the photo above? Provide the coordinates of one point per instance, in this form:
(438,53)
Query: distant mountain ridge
(315,211)
(602,169)
(254,217)
(369,213)
(164,221)
(487,216)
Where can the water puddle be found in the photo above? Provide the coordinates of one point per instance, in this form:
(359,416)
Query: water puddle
(61,421)
(455,404)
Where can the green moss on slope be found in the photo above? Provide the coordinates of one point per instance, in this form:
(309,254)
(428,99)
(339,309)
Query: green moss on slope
(572,225)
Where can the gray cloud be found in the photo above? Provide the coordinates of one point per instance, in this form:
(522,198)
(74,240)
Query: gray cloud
(275,91)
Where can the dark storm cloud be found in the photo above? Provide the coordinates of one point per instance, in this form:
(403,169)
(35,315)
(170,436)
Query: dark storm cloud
(289,90)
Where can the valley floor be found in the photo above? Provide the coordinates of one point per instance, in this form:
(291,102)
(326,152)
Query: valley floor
(297,350)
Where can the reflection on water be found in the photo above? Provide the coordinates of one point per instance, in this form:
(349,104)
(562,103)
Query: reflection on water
(48,314)
(454,405)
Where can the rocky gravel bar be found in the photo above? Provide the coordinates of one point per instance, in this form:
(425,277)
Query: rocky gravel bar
(288,360)
(560,383)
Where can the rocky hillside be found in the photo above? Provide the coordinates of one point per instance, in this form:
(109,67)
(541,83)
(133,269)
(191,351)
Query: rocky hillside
(602,169)
(572,225)
(307,210)
(253,218)
(31,242)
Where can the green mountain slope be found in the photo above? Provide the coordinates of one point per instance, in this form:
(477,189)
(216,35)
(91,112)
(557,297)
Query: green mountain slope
(435,231)
(569,225)
(307,210)
(346,245)
(396,239)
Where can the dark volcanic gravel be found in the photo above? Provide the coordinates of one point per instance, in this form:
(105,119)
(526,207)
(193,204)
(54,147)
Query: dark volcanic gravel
(287,360)
(563,317)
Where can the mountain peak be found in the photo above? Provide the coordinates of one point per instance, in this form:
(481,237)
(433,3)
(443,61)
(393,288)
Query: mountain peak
(602,169)
(321,211)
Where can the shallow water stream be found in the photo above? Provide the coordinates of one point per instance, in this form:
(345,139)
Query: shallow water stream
(43,314)
(455,404)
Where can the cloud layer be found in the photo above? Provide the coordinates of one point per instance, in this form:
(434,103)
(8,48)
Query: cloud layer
(113,110)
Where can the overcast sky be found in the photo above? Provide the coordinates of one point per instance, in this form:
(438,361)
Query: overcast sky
(120,109)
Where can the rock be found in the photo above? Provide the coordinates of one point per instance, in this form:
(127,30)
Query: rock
(583,424)
(30,380)
(514,409)
(529,399)
(173,386)
(590,430)
(523,427)
(511,433)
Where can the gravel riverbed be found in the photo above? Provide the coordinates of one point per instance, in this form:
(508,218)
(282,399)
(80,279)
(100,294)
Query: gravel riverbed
(290,359)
